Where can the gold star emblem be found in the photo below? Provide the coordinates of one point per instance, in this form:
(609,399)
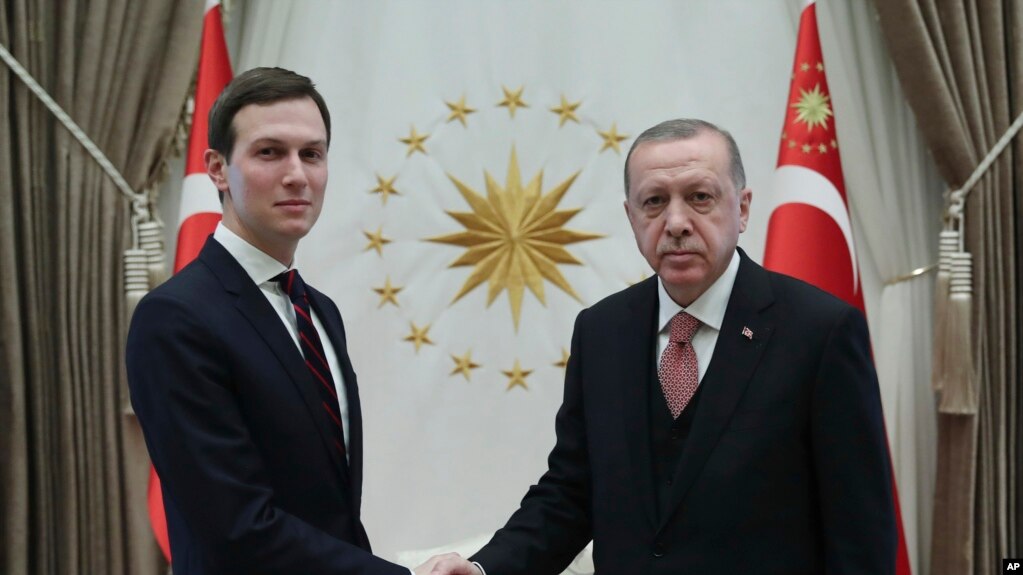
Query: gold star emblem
(414,141)
(517,376)
(834,144)
(805,67)
(385,187)
(514,237)
(612,138)
(813,108)
(822,148)
(512,100)
(564,359)
(377,241)
(566,111)
(784,136)
(459,110)
(464,365)
(806,148)
(792,143)
(419,336)
(387,293)
(820,66)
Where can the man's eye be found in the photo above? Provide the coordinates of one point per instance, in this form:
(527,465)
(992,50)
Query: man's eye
(313,154)
(653,201)
(701,197)
(266,152)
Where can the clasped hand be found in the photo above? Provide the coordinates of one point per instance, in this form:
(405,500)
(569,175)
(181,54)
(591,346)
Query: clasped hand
(447,564)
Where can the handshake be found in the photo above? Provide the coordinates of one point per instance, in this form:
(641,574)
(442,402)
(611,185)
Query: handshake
(448,564)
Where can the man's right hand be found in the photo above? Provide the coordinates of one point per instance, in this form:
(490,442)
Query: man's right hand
(447,564)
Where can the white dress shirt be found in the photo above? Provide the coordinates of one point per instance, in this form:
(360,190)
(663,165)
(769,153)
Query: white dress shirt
(709,308)
(262,269)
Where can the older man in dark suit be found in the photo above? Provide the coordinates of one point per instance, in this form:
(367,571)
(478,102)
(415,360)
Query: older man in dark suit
(718,417)
(238,370)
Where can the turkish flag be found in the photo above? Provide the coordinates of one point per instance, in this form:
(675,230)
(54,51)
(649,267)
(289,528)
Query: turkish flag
(809,235)
(200,203)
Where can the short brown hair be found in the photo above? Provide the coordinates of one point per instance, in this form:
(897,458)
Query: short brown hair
(257,86)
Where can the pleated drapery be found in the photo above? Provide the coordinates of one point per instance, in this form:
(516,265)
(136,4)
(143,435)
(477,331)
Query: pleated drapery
(74,468)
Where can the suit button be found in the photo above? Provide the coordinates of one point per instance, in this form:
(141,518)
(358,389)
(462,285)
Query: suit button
(658,550)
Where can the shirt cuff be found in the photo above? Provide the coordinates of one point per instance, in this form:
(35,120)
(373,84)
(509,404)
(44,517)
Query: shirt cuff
(480,567)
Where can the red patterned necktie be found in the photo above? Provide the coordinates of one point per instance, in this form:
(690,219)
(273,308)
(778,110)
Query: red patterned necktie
(312,351)
(678,371)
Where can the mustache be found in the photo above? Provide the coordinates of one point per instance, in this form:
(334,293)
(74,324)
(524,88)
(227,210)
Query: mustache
(678,245)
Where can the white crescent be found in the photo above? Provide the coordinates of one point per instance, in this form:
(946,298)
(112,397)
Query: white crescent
(799,185)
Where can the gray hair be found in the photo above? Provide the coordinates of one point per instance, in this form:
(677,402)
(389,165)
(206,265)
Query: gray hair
(683,129)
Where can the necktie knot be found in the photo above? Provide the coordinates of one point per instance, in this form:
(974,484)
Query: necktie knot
(291,284)
(683,327)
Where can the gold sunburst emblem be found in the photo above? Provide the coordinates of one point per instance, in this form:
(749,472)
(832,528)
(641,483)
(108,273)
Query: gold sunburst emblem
(515,237)
(813,108)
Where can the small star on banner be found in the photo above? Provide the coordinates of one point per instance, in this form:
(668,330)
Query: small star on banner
(517,376)
(414,141)
(512,100)
(385,187)
(459,111)
(419,336)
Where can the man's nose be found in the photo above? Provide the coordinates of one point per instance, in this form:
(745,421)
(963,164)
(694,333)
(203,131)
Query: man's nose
(294,175)
(678,220)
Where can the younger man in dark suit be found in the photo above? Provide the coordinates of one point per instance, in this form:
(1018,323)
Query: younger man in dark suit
(239,372)
(718,417)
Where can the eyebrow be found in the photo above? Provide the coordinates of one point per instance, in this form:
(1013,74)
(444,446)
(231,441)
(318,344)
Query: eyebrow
(279,142)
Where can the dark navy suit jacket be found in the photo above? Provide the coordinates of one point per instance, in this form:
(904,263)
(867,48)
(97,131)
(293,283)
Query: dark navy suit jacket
(785,470)
(252,481)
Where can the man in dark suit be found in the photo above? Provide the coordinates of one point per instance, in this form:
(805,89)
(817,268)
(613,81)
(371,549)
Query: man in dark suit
(718,417)
(239,372)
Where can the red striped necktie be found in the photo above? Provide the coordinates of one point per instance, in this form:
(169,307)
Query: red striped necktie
(312,351)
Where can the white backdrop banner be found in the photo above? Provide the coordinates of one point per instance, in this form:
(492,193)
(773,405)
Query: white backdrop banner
(475,207)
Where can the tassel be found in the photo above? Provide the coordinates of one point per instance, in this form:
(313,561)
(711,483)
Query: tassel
(151,241)
(948,243)
(136,278)
(960,391)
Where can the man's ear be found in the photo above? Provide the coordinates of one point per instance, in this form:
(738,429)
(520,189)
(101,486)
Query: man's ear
(216,168)
(745,199)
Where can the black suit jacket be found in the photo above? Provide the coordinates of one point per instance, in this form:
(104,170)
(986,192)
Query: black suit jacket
(252,482)
(785,470)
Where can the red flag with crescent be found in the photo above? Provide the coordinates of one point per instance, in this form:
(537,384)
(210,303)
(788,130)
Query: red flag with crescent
(809,234)
(200,203)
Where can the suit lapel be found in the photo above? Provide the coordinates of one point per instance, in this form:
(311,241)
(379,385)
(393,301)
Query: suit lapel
(335,332)
(735,359)
(253,305)
(636,335)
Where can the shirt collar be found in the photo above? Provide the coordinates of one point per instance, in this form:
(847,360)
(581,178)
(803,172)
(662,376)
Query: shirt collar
(709,308)
(257,264)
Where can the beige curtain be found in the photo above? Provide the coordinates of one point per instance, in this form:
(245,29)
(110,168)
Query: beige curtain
(961,66)
(72,464)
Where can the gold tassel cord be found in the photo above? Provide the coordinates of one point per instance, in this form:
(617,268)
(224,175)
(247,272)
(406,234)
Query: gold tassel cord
(136,278)
(952,367)
(947,245)
(151,242)
(959,395)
